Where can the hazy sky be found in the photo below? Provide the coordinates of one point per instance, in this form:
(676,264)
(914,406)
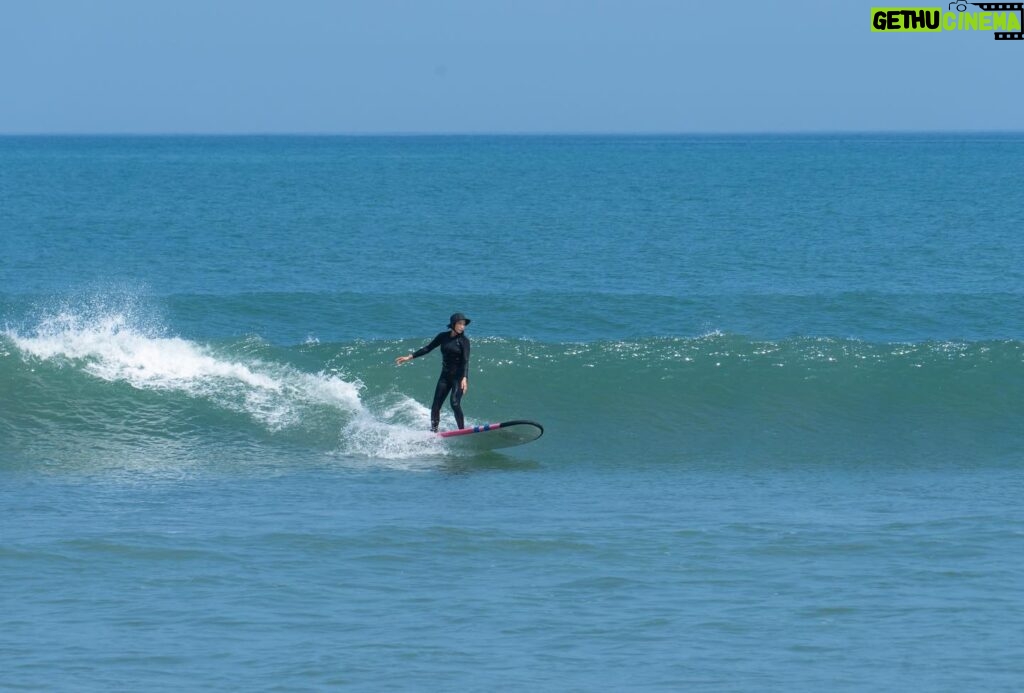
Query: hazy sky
(501,66)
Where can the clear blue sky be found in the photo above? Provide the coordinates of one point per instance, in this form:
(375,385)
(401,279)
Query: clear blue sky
(491,66)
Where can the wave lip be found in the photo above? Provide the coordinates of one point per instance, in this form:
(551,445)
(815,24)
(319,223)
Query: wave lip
(320,407)
(111,349)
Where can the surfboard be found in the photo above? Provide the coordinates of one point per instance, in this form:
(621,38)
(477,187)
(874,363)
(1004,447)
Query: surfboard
(494,436)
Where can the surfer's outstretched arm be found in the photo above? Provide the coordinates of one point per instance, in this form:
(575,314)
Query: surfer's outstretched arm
(420,352)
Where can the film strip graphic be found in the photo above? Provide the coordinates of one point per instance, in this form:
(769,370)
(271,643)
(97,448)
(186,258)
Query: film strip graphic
(1004,7)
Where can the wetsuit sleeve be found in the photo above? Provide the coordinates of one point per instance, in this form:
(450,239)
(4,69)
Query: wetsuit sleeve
(465,354)
(429,348)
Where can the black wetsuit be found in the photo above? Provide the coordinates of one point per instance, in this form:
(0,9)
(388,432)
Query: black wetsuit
(454,367)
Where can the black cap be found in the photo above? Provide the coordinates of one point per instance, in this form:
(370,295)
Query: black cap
(456,317)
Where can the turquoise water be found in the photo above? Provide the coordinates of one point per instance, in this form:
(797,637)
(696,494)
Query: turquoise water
(780,379)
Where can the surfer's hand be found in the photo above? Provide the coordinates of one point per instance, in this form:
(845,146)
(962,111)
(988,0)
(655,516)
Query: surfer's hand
(402,359)
(465,385)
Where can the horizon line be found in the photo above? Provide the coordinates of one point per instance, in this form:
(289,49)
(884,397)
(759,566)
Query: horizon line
(512,133)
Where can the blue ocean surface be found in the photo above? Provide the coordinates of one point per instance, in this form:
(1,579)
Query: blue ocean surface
(780,377)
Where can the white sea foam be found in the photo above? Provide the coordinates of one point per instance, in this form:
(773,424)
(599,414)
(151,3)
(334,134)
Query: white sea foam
(394,431)
(111,349)
(279,396)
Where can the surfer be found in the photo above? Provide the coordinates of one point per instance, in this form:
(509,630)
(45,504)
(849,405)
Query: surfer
(454,368)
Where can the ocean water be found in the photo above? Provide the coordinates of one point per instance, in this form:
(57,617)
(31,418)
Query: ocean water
(781,379)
